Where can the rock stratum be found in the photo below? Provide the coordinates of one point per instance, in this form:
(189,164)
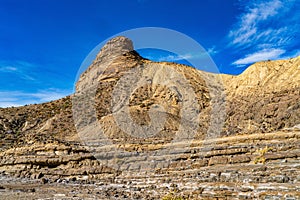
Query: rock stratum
(138,129)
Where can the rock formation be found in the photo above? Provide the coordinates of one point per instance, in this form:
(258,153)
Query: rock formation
(138,129)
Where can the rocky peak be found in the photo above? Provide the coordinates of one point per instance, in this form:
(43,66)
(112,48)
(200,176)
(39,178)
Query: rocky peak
(114,48)
(41,141)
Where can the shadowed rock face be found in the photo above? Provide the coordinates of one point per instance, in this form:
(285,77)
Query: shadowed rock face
(254,155)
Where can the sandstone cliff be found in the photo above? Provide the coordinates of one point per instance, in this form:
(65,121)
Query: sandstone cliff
(253,154)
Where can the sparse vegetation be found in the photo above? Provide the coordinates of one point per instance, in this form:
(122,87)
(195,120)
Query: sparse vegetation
(261,155)
(173,195)
(41,142)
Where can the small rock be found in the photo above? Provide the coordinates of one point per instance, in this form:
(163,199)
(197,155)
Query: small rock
(44,180)
(245,189)
(217,160)
(65,181)
(39,175)
(281,179)
(262,168)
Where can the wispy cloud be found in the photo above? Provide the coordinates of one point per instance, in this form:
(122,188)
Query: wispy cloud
(292,54)
(259,56)
(18,68)
(265,30)
(8,69)
(187,56)
(18,98)
(248,26)
(176,57)
(8,104)
(212,50)
(49,95)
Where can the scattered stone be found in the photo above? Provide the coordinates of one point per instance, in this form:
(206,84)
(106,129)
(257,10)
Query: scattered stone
(261,122)
(44,180)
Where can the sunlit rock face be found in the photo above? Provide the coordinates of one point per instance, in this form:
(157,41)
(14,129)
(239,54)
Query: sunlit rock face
(140,129)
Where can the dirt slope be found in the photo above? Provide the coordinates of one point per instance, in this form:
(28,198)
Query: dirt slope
(178,132)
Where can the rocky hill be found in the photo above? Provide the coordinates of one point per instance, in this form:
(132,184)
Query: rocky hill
(265,97)
(142,129)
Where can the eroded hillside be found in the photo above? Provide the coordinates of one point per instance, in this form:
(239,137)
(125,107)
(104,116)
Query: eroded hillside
(178,132)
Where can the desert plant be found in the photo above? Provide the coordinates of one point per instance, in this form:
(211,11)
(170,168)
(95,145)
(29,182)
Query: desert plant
(173,195)
(261,155)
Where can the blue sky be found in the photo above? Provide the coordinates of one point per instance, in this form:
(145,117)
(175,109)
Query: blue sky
(43,42)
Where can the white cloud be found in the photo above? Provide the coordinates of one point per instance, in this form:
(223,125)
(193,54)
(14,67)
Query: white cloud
(18,98)
(45,96)
(8,69)
(187,56)
(259,56)
(292,54)
(212,51)
(248,25)
(176,57)
(21,69)
(272,23)
(240,66)
(265,30)
(4,104)
(295,54)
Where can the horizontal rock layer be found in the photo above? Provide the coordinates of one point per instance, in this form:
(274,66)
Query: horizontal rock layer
(245,144)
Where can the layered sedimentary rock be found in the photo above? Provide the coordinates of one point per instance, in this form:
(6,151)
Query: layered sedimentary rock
(141,129)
